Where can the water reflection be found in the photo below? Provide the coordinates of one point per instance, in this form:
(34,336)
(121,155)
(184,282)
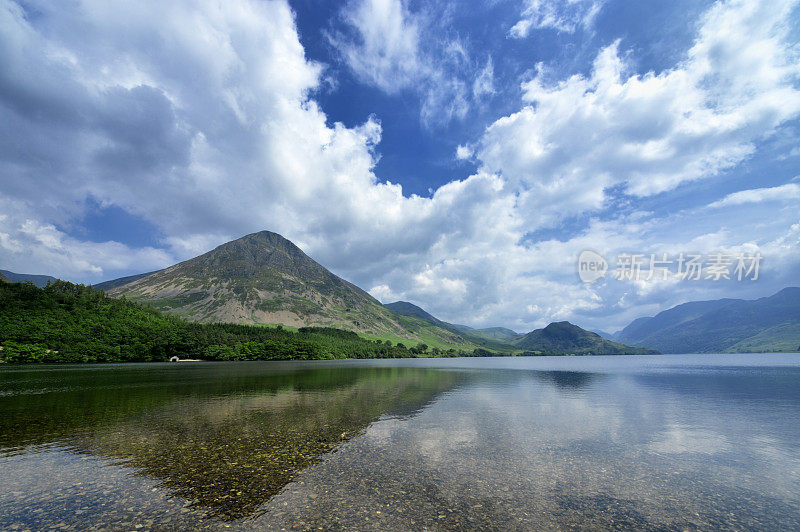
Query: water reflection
(405,445)
(568,380)
(515,451)
(224,446)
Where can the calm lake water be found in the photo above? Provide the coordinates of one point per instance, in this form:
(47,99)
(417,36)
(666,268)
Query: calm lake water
(693,442)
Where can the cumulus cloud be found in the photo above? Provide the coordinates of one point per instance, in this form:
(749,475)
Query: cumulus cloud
(650,133)
(202,121)
(30,246)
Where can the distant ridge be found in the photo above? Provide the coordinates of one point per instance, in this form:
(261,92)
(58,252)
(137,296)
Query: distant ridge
(768,324)
(480,336)
(114,283)
(39,280)
(501,334)
(642,327)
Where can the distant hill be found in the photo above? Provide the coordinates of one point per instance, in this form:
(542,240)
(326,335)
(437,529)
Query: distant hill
(602,334)
(768,324)
(501,334)
(565,338)
(39,280)
(263,278)
(641,328)
(409,309)
(476,336)
(4,279)
(114,283)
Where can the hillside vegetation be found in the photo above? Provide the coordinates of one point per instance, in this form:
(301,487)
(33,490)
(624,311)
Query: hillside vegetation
(263,278)
(565,338)
(64,322)
(419,321)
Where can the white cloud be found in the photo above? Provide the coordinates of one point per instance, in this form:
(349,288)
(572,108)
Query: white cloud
(484,81)
(463,152)
(201,122)
(787,192)
(383,292)
(560,15)
(387,45)
(35,247)
(652,132)
(387,52)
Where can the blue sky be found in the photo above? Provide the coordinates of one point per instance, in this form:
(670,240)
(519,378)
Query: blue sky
(459,157)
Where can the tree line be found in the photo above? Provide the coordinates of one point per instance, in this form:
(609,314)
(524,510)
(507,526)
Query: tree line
(73,323)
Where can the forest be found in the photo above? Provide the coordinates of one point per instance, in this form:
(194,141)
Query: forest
(72,323)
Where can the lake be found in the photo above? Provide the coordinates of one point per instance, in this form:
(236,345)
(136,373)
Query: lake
(677,442)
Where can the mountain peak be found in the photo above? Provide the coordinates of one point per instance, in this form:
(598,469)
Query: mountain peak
(788,292)
(405,308)
(562,325)
(565,328)
(266,237)
(258,278)
(253,255)
(565,337)
(264,278)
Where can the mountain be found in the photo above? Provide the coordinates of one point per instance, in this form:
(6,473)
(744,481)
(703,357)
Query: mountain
(603,334)
(42,280)
(641,328)
(4,279)
(75,323)
(475,336)
(409,309)
(565,338)
(767,324)
(497,333)
(114,283)
(500,334)
(39,280)
(263,278)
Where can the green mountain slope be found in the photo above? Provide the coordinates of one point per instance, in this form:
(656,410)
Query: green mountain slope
(726,325)
(473,336)
(263,278)
(565,338)
(114,283)
(71,323)
(39,280)
(404,308)
(778,339)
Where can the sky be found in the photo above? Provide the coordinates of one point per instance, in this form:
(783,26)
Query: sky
(456,155)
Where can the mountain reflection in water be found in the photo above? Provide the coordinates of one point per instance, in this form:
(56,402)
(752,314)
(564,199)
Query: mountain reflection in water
(654,443)
(224,445)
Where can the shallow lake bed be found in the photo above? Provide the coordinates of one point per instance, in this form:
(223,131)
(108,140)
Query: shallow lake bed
(666,442)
